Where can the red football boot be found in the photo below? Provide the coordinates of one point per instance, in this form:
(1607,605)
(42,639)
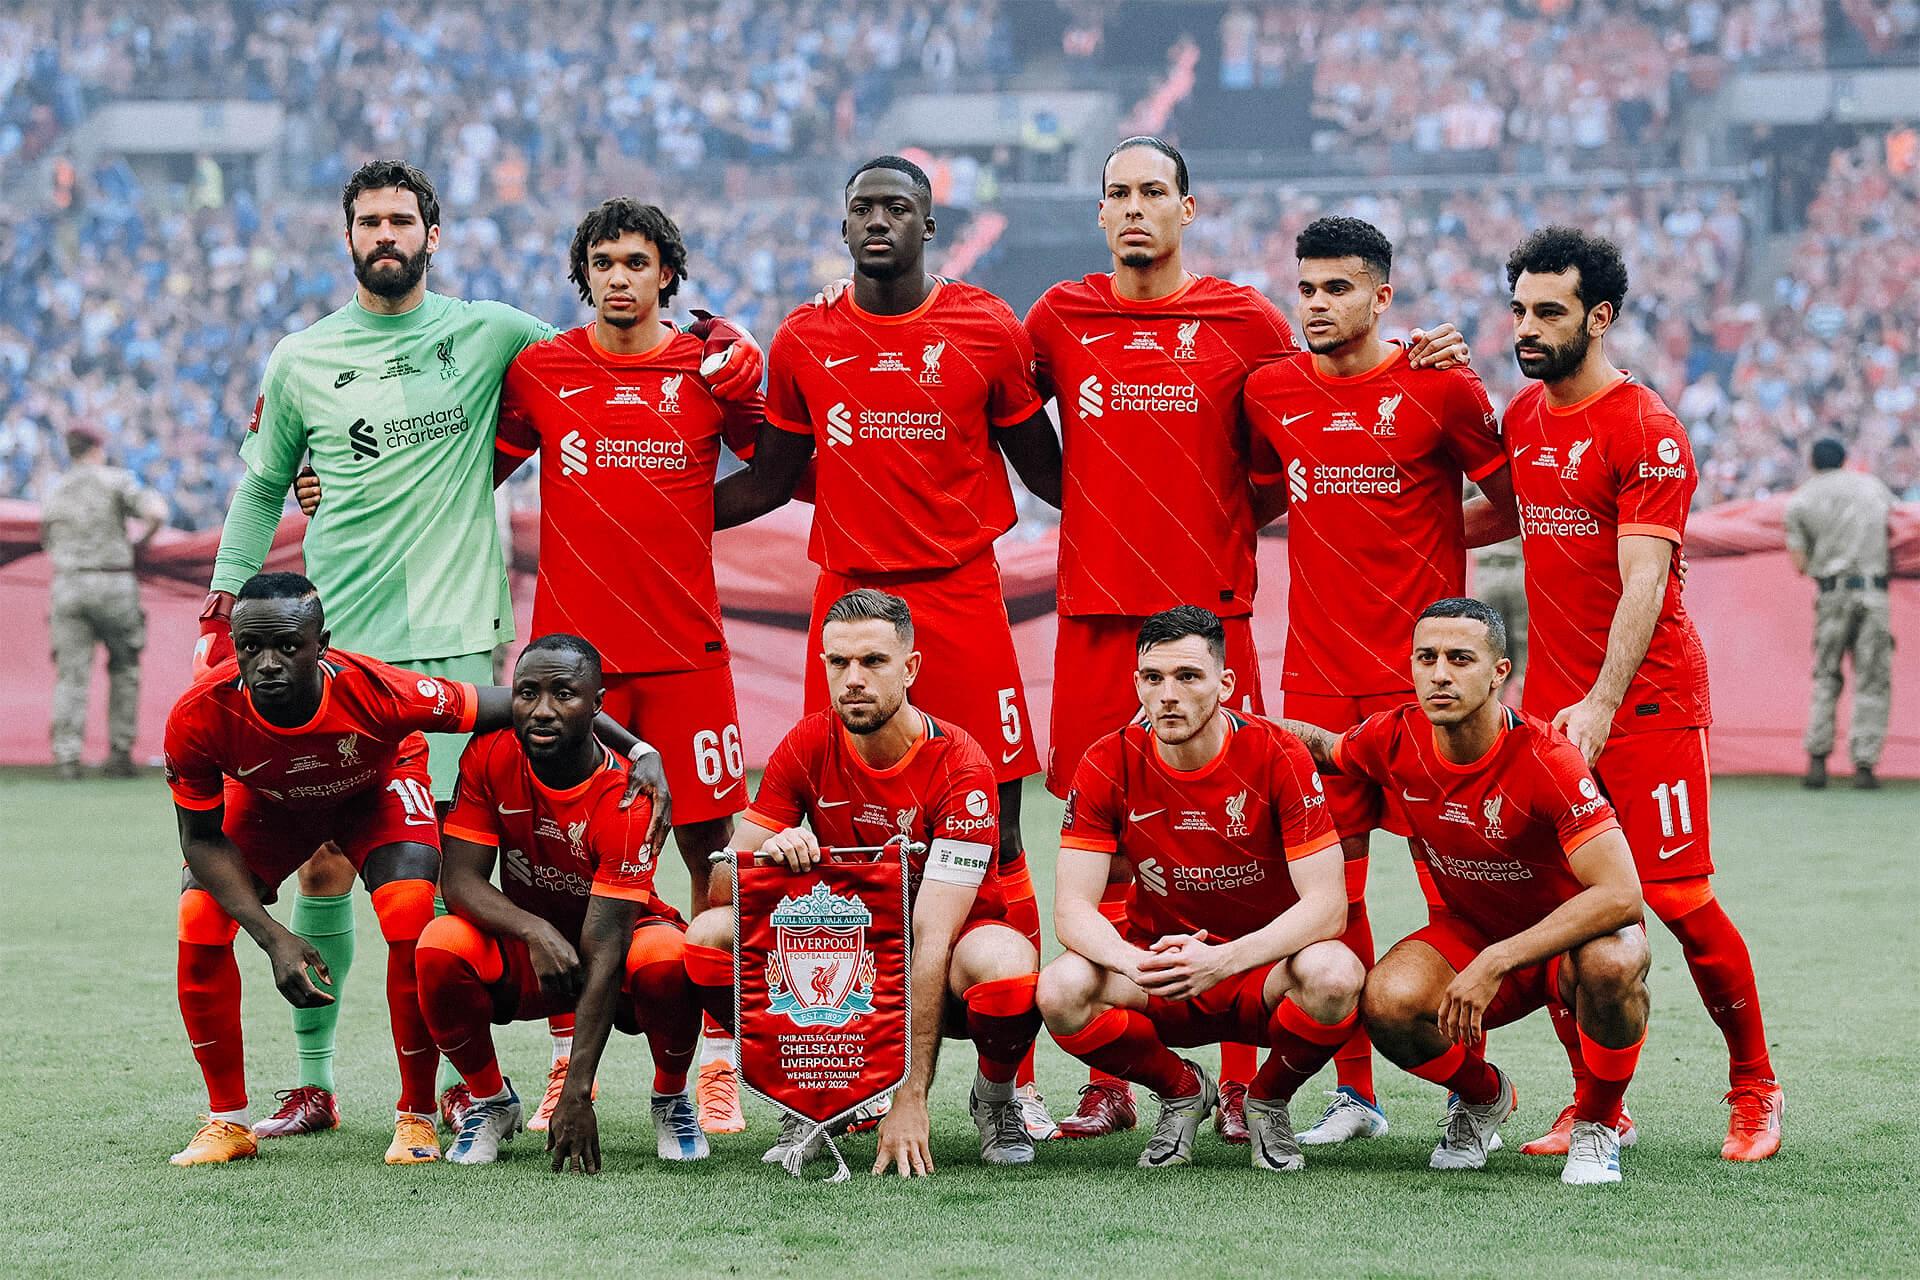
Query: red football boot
(1106,1106)
(308,1109)
(1753,1133)
(1230,1117)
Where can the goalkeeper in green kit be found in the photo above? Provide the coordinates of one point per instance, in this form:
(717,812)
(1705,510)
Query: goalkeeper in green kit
(393,397)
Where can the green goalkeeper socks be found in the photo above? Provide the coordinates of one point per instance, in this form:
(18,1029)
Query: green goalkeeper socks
(327,923)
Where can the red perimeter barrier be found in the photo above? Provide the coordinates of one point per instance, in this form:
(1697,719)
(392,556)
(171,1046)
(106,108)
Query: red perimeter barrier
(1754,612)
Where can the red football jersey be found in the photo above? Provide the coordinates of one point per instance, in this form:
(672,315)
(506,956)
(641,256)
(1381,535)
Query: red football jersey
(557,848)
(1209,848)
(630,445)
(1373,466)
(1157,509)
(940,794)
(1496,833)
(1616,464)
(905,476)
(367,710)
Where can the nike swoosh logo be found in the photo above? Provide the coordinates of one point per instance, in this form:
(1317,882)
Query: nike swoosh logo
(567,392)
(1012,755)
(414,1053)
(1678,849)
(833,804)
(721,794)
(1522,449)
(1411,798)
(241,773)
(420,822)
(837,361)
(1288,420)
(201,1044)
(1088,339)
(1142,817)
(503,809)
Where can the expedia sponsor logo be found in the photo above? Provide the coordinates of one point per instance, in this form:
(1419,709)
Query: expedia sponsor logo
(957,826)
(578,454)
(844,426)
(1586,807)
(1669,467)
(1540,520)
(1305,480)
(1218,879)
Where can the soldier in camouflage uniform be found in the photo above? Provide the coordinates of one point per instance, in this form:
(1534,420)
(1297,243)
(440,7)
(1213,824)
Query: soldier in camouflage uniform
(1837,535)
(1499,580)
(96,600)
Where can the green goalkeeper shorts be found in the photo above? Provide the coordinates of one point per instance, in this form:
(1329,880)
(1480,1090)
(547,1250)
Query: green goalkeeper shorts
(443,749)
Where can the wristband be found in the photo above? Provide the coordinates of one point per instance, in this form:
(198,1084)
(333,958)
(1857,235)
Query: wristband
(642,749)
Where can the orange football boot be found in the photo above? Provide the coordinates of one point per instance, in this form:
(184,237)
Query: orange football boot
(556,1081)
(1555,1141)
(414,1141)
(717,1094)
(1753,1132)
(218,1142)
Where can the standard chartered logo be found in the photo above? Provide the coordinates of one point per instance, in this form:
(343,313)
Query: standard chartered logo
(1152,875)
(573,454)
(614,453)
(1297,480)
(1093,401)
(839,424)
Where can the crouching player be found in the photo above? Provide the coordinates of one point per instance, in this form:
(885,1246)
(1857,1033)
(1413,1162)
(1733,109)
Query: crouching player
(1541,902)
(872,767)
(1238,897)
(282,747)
(577,927)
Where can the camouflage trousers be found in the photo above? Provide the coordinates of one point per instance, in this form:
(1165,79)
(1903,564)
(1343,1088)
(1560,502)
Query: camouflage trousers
(1500,582)
(95,609)
(1856,621)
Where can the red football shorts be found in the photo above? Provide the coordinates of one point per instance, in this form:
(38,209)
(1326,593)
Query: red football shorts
(969,675)
(1659,784)
(1234,1012)
(1520,993)
(1356,805)
(1094,658)
(275,840)
(517,996)
(692,718)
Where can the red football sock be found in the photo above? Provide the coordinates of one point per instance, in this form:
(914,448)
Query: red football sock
(1568,1029)
(1125,1044)
(405,908)
(1023,913)
(664,1004)
(1462,1071)
(208,978)
(1113,905)
(1723,971)
(1600,1095)
(1002,1022)
(454,963)
(1301,1047)
(1353,1063)
(560,1024)
(710,970)
(1238,1061)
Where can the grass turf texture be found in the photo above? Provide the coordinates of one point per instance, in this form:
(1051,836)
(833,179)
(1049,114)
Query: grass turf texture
(99,1088)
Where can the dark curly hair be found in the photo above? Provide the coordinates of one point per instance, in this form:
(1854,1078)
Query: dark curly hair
(1551,250)
(614,219)
(378,175)
(1337,237)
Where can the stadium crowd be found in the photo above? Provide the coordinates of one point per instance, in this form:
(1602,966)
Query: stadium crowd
(148,306)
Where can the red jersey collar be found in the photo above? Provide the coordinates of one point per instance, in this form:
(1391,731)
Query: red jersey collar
(578,790)
(1145,304)
(638,357)
(327,670)
(1394,352)
(868,317)
(1507,721)
(927,733)
(1580,406)
(1194,775)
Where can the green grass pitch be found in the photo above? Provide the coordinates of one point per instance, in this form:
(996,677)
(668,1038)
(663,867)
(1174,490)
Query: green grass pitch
(97,1087)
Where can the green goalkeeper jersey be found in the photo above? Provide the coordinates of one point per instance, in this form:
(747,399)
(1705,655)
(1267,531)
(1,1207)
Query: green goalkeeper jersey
(397,414)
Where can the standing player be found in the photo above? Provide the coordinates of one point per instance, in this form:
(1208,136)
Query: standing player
(1538,903)
(1147,365)
(1230,929)
(630,437)
(906,391)
(284,746)
(1366,453)
(394,398)
(873,767)
(1604,474)
(577,927)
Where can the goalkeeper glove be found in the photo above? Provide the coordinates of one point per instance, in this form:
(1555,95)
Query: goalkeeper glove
(216,633)
(731,360)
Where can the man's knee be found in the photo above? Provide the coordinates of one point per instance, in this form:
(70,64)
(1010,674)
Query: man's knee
(1066,992)
(327,874)
(1327,980)
(712,928)
(1612,970)
(1398,993)
(990,953)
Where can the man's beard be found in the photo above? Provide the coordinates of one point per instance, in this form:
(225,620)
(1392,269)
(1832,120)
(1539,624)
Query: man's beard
(1138,260)
(391,284)
(874,717)
(1560,362)
(884,270)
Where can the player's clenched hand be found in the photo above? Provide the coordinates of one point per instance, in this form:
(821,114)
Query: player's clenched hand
(795,848)
(1586,724)
(904,1140)
(831,291)
(1181,966)
(306,491)
(555,962)
(573,1136)
(291,956)
(1464,1004)
(648,778)
(730,360)
(1441,347)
